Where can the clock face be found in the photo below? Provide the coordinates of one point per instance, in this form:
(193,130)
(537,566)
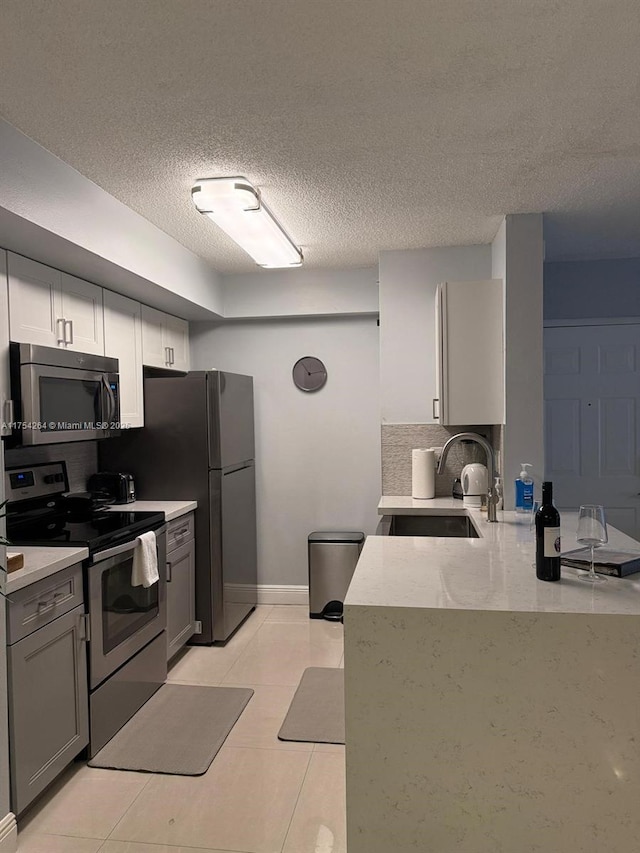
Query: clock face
(309,373)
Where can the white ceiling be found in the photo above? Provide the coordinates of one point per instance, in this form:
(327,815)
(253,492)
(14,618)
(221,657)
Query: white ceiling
(368,124)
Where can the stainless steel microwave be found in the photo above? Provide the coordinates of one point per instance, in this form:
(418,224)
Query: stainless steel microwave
(62,395)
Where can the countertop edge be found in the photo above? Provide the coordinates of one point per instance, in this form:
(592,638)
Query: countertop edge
(39,571)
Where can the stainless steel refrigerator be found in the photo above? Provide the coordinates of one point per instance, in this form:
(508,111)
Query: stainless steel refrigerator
(198,442)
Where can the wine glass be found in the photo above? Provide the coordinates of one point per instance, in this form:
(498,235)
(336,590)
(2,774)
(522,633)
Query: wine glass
(592,531)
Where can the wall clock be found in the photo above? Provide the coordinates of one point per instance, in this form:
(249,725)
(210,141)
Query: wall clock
(309,373)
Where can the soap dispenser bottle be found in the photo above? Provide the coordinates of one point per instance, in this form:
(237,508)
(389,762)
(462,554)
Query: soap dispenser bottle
(524,489)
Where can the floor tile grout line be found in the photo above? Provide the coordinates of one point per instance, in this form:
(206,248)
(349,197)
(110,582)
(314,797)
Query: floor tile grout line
(131,804)
(295,806)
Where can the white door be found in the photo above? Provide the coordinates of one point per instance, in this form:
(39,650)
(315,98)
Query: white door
(83,315)
(592,424)
(35,304)
(154,350)
(177,340)
(123,340)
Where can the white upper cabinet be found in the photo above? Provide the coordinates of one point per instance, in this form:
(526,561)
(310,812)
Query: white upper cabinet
(165,340)
(83,315)
(469,353)
(53,309)
(123,340)
(5,393)
(35,303)
(177,337)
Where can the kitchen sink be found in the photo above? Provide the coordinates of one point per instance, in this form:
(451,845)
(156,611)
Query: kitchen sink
(429,525)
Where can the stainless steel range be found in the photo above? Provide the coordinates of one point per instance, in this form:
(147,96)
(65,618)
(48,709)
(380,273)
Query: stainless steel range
(125,624)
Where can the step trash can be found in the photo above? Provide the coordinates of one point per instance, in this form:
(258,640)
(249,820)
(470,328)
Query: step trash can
(332,560)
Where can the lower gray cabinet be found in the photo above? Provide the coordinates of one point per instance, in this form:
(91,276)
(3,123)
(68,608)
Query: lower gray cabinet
(181,600)
(48,704)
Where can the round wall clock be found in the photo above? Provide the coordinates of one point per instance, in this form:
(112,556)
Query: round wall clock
(309,373)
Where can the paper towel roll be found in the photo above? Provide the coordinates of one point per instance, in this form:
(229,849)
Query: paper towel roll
(423,471)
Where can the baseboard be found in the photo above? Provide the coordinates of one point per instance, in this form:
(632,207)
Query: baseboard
(8,834)
(269,593)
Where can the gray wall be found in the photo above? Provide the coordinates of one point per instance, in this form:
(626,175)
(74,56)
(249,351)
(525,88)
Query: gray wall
(317,455)
(591,289)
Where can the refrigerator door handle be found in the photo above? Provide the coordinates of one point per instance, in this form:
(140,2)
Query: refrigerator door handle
(233,468)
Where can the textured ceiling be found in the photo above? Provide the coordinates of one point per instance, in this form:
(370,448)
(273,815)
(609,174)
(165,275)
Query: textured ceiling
(368,124)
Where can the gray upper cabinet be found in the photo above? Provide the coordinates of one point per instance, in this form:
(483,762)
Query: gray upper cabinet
(48,693)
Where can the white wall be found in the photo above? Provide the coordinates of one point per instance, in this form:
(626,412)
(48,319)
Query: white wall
(301,292)
(38,189)
(517,258)
(317,455)
(408,281)
(592,289)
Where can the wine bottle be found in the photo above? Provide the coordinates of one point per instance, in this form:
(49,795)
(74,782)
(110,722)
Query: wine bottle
(547,537)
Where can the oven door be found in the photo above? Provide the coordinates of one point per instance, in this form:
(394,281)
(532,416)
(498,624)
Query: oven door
(61,404)
(122,618)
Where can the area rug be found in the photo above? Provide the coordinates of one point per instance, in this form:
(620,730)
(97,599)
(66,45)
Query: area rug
(316,713)
(179,730)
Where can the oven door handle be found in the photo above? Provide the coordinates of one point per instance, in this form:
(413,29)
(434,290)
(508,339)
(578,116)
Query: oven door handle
(113,552)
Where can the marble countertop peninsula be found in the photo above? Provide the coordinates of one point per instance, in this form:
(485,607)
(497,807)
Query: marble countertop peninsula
(493,572)
(487,710)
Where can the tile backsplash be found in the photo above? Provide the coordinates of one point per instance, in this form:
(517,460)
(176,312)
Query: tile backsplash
(398,440)
(81,458)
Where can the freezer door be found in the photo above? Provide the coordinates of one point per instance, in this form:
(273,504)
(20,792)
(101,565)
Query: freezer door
(233,547)
(230,405)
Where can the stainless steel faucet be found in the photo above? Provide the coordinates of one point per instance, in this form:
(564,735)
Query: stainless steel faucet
(492,497)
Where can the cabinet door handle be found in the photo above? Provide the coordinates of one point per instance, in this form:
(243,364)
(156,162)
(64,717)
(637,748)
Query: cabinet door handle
(84,627)
(167,356)
(168,571)
(181,532)
(60,328)
(68,324)
(173,360)
(436,415)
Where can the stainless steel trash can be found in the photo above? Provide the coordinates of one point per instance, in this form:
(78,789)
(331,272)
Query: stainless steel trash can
(332,559)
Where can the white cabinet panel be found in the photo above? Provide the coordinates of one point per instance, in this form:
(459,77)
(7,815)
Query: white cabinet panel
(53,309)
(177,340)
(165,340)
(123,340)
(35,303)
(5,392)
(153,352)
(82,313)
(470,353)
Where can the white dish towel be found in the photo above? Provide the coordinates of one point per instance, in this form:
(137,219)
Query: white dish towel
(145,561)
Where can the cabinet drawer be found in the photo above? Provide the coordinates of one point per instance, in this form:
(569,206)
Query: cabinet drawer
(42,602)
(180,531)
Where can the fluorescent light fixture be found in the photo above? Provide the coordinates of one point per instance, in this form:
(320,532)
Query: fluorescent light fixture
(236,207)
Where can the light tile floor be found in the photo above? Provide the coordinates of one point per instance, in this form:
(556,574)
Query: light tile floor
(260,795)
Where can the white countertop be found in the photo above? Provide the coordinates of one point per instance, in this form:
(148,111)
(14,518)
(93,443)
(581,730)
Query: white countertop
(171,509)
(494,572)
(40,562)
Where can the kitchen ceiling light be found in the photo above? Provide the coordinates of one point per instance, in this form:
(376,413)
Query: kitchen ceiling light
(236,207)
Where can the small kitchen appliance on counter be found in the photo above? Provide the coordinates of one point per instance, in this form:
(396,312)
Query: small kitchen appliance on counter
(474,484)
(118,487)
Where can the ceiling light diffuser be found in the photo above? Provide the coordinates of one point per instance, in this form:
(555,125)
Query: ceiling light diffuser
(236,207)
